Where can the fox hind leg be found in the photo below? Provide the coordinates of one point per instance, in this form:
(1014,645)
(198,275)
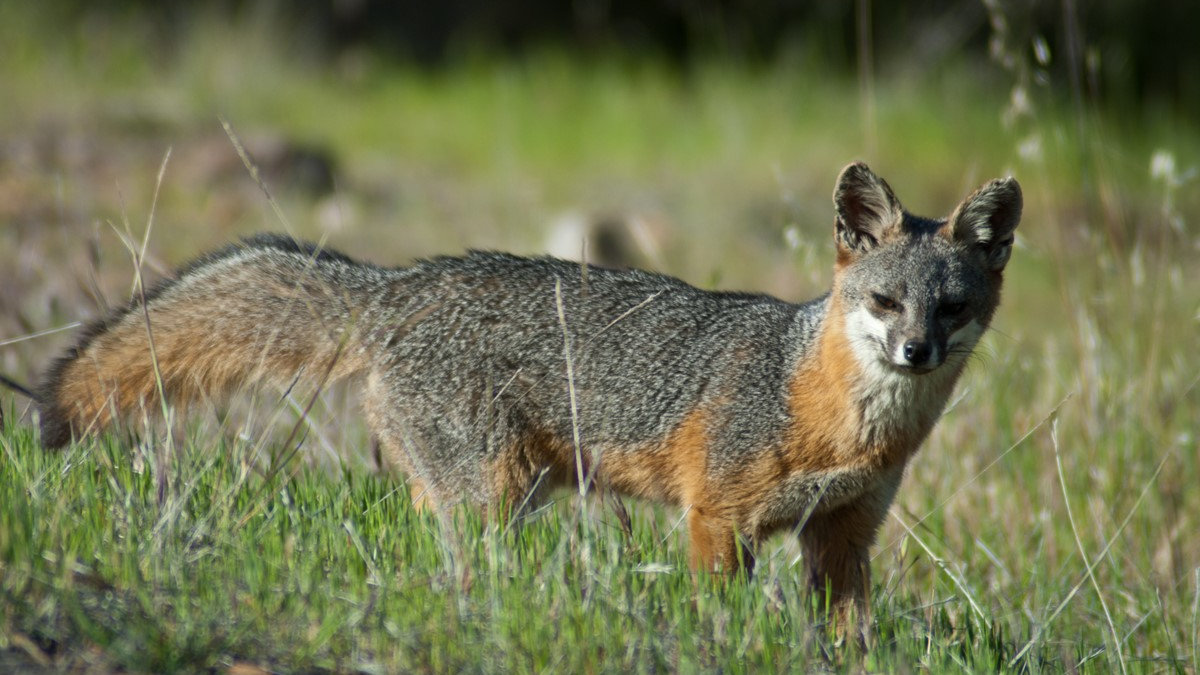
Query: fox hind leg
(529,465)
(393,456)
(715,544)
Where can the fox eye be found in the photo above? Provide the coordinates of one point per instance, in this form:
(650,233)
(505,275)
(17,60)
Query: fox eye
(953,308)
(884,302)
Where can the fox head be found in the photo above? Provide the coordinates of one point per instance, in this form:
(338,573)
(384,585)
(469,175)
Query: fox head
(918,292)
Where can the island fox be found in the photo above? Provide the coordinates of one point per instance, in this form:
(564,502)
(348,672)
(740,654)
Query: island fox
(491,378)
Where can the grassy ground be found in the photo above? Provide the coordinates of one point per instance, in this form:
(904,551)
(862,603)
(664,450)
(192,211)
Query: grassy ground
(1046,525)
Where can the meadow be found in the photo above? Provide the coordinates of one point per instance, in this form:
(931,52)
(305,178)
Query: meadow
(1046,526)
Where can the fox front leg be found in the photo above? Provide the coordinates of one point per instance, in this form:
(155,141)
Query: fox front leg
(836,553)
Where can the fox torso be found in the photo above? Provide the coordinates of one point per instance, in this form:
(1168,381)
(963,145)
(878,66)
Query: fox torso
(491,378)
(650,357)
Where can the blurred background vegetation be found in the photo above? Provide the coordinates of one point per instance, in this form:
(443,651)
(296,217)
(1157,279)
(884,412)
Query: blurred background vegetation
(706,135)
(415,128)
(1117,49)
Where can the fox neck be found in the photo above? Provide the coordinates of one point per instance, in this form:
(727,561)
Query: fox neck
(849,409)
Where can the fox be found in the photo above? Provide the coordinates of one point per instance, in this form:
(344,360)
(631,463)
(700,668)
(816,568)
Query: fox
(492,379)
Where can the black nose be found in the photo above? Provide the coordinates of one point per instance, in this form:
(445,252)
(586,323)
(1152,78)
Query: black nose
(916,351)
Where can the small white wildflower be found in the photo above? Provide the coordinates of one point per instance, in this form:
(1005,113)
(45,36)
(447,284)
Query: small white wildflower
(1041,50)
(1020,105)
(1030,149)
(791,237)
(1162,166)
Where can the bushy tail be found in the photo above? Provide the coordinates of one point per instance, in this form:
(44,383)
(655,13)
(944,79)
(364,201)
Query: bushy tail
(266,309)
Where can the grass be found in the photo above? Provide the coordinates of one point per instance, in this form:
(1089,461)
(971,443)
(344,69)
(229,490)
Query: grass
(1051,515)
(204,562)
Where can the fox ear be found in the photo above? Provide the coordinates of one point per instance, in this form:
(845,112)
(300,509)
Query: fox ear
(867,211)
(987,218)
